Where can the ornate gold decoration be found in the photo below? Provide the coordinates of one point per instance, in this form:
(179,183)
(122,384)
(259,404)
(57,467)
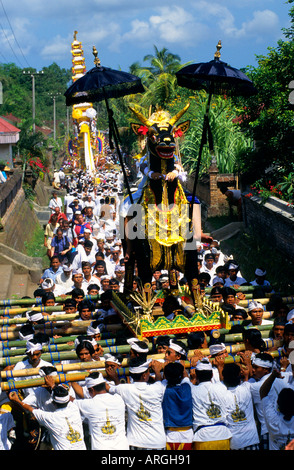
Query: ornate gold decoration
(218,48)
(146,298)
(142,413)
(96,60)
(213,411)
(72,436)
(238,414)
(108,428)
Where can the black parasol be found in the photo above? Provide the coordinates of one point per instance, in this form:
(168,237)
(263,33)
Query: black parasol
(101,83)
(215,77)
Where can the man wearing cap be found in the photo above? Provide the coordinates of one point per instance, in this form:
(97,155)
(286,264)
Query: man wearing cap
(209,410)
(208,265)
(233,279)
(255,312)
(143,400)
(64,424)
(105,415)
(260,280)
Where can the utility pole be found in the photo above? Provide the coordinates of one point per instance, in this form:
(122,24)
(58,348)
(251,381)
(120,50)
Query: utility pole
(54,96)
(33,74)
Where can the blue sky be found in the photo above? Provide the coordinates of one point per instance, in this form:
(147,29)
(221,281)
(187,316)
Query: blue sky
(37,33)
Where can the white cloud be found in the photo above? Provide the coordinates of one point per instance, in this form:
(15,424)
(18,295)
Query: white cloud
(261,25)
(170,26)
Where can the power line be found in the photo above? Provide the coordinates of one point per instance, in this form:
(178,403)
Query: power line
(14,35)
(10,45)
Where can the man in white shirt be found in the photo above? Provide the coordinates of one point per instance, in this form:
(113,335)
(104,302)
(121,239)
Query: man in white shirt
(209,410)
(64,424)
(105,415)
(145,429)
(55,201)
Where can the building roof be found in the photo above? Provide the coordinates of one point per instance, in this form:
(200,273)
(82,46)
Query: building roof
(9,134)
(7,128)
(46,131)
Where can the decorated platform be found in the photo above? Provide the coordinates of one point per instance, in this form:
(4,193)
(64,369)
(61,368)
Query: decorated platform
(144,318)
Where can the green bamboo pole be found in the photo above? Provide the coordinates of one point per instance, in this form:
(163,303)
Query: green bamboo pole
(12,333)
(106,339)
(228,338)
(59,299)
(58,357)
(11,384)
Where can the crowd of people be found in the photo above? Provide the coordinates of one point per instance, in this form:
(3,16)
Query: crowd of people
(173,400)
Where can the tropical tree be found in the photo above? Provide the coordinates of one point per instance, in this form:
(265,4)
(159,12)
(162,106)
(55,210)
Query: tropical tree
(269,117)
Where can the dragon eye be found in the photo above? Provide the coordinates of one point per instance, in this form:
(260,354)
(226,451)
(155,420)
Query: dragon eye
(153,138)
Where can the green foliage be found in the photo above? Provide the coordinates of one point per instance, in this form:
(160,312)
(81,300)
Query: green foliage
(162,91)
(17,92)
(269,117)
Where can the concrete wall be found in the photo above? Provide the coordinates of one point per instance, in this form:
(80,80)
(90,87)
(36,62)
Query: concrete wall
(274,221)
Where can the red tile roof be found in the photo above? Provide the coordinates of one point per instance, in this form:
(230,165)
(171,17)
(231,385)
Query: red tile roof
(7,128)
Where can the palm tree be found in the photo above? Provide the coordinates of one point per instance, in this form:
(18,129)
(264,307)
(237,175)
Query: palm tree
(163,62)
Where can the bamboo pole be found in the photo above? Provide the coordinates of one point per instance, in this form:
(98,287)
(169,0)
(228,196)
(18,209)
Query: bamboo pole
(106,340)
(11,384)
(33,301)
(231,349)
(64,346)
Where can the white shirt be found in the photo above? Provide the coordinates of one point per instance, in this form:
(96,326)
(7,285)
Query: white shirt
(240,415)
(55,203)
(105,414)
(204,396)
(64,426)
(238,281)
(145,417)
(255,388)
(281,432)
(26,365)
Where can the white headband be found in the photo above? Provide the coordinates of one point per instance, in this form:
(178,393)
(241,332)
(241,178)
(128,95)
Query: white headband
(257,361)
(177,348)
(64,399)
(141,368)
(254,305)
(203,364)
(32,347)
(217,348)
(133,343)
(93,331)
(91,382)
(110,358)
(34,316)
(259,272)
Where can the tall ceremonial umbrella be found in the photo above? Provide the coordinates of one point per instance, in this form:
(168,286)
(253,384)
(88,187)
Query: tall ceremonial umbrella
(215,77)
(101,83)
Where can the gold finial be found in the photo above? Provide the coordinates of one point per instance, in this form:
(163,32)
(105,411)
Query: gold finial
(75,35)
(95,54)
(218,48)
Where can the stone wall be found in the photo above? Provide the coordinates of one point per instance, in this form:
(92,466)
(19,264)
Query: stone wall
(19,222)
(273,221)
(213,202)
